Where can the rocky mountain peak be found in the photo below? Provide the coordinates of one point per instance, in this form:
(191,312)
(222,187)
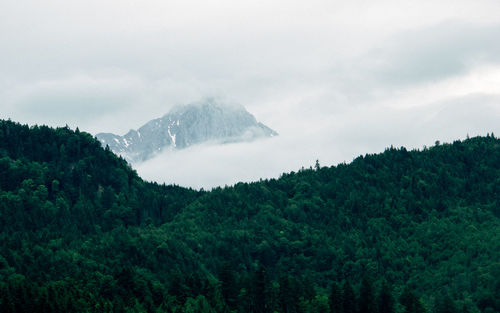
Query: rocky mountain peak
(187,125)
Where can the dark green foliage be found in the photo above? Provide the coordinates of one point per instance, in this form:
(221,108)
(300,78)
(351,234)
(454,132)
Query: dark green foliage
(81,232)
(288,295)
(444,304)
(410,302)
(228,286)
(367,297)
(348,298)
(385,300)
(335,299)
(261,297)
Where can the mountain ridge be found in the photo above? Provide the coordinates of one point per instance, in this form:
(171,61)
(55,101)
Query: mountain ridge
(187,125)
(80,231)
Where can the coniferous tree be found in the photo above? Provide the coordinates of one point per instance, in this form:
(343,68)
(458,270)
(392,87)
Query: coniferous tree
(348,298)
(385,299)
(260,293)
(465,309)
(317,167)
(288,301)
(229,288)
(410,302)
(366,296)
(445,304)
(335,299)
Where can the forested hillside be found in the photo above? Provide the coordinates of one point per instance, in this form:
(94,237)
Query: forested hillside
(401,231)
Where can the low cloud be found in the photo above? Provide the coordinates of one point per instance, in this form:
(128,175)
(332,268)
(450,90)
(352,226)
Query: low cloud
(334,79)
(331,141)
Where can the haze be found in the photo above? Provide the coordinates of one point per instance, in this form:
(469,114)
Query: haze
(334,78)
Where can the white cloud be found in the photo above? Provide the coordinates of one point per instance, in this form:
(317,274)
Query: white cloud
(331,140)
(334,78)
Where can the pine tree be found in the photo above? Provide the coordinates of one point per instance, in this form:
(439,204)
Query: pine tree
(445,304)
(410,302)
(385,301)
(260,292)
(335,299)
(366,297)
(228,285)
(348,298)
(288,301)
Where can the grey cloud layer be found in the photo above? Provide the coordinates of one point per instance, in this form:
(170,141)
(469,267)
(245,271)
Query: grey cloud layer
(431,54)
(334,78)
(333,140)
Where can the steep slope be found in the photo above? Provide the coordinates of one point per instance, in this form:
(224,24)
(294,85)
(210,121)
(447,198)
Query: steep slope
(79,232)
(73,166)
(185,126)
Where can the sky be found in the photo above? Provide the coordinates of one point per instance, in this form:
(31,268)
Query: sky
(336,79)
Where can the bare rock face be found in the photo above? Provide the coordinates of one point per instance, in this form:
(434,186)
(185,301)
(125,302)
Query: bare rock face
(184,126)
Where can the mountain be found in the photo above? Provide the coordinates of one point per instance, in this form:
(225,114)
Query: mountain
(184,126)
(400,231)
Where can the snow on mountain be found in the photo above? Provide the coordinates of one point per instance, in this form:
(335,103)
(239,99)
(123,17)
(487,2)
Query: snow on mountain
(184,126)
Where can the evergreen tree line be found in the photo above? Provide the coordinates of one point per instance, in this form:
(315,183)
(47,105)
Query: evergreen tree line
(81,232)
(253,294)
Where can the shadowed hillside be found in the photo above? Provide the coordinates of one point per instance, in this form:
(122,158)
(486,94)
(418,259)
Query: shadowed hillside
(401,231)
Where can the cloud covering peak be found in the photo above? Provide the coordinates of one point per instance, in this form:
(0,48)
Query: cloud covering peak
(335,78)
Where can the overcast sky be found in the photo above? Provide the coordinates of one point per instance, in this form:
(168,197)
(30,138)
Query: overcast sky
(335,79)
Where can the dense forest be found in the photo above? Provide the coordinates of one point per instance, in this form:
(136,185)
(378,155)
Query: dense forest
(400,231)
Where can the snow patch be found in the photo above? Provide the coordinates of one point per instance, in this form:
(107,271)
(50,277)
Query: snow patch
(172,136)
